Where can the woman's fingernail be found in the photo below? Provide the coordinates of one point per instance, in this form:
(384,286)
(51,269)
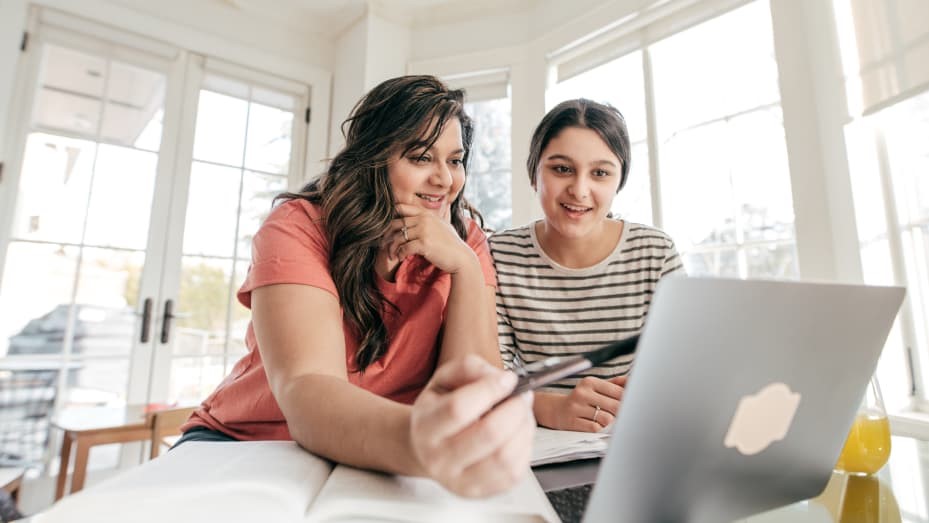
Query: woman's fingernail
(507,381)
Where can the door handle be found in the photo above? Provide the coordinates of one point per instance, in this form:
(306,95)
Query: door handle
(166,321)
(146,321)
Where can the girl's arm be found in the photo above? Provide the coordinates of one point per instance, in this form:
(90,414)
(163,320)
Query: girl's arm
(448,434)
(576,410)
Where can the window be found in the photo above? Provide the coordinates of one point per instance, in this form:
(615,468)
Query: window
(489,187)
(241,161)
(722,173)
(140,177)
(725,182)
(895,240)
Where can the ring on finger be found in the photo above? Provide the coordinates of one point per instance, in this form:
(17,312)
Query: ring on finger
(405,236)
(596,413)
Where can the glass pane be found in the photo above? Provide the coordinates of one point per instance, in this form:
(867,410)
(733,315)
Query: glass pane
(193,379)
(107,295)
(877,263)
(26,401)
(774,260)
(697,195)
(489,183)
(258,191)
(722,262)
(70,91)
(212,205)
(54,188)
(135,98)
(220,134)
(634,201)
(37,283)
(269,139)
(203,304)
(761,175)
(726,63)
(905,128)
(120,205)
(98,381)
(619,83)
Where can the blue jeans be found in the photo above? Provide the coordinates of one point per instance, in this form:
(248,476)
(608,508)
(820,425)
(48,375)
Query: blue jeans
(203,434)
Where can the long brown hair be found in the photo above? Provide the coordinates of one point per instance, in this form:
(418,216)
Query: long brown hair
(354,194)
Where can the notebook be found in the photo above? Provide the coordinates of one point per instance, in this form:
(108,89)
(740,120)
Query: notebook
(740,398)
(277,481)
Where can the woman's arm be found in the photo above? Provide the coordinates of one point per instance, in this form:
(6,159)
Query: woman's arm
(470,325)
(470,321)
(448,434)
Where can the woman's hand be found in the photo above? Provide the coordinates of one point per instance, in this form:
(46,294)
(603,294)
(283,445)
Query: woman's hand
(579,410)
(465,442)
(419,231)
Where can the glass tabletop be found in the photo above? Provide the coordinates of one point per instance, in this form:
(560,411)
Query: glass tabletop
(898,493)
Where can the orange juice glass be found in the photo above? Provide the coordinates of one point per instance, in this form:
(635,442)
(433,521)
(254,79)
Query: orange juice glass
(867,448)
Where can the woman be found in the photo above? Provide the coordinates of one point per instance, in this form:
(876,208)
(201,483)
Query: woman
(577,279)
(361,288)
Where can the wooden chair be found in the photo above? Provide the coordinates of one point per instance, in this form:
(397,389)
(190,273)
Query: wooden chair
(11,479)
(166,423)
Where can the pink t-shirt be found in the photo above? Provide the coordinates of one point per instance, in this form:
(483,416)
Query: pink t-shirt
(291,247)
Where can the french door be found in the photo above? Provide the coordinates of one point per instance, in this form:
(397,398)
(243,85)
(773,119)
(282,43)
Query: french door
(140,175)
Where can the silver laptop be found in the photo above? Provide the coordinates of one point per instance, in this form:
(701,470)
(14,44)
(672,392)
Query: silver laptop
(740,398)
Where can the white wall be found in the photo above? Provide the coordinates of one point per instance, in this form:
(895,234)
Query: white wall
(372,50)
(280,37)
(348,79)
(389,47)
(12,22)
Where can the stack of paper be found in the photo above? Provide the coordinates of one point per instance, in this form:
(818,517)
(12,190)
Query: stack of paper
(556,446)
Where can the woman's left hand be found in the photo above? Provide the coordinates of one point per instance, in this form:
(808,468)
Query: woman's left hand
(419,231)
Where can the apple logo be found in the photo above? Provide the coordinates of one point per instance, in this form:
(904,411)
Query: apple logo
(761,419)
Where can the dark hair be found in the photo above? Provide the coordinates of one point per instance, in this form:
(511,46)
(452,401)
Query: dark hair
(354,194)
(605,120)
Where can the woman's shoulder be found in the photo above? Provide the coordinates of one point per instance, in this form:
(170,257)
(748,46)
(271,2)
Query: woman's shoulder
(296,208)
(293,219)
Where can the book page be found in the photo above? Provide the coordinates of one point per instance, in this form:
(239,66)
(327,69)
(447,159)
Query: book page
(357,495)
(230,482)
(556,446)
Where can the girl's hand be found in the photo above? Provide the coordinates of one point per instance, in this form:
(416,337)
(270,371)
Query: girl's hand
(419,231)
(578,410)
(465,442)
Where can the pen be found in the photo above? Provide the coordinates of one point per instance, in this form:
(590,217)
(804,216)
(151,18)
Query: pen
(552,369)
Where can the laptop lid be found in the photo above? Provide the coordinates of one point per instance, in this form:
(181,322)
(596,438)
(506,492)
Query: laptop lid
(677,455)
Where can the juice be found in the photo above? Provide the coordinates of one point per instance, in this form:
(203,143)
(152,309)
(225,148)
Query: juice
(867,447)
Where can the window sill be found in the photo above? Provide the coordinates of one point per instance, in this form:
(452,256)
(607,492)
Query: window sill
(910,423)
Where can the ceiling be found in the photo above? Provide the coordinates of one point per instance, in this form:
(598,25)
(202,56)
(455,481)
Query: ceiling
(329,18)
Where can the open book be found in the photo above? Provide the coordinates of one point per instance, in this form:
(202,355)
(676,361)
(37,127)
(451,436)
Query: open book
(280,482)
(556,446)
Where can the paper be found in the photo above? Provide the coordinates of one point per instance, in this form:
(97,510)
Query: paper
(277,481)
(556,446)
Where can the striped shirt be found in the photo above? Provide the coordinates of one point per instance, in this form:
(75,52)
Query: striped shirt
(545,309)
